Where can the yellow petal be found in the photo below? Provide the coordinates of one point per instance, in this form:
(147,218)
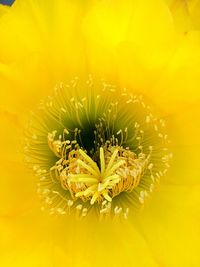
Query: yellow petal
(46,50)
(17,187)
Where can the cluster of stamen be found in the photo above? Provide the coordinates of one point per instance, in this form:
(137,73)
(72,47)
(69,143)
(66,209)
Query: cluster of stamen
(117,170)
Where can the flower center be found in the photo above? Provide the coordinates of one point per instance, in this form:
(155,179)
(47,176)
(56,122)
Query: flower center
(96,147)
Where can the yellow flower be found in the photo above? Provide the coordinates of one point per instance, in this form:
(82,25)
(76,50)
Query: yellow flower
(144,46)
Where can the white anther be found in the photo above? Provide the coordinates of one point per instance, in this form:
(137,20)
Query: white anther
(63,110)
(152,178)
(151,188)
(137,125)
(105,210)
(35,167)
(46,191)
(48,200)
(84,212)
(104,202)
(70,203)
(117,210)
(79,207)
(150,166)
(119,132)
(61,211)
(66,131)
(142,194)
(141,200)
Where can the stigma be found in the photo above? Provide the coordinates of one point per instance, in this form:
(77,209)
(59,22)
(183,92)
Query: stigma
(110,171)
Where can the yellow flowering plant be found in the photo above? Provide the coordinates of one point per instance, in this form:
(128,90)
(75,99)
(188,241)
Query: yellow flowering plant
(99,108)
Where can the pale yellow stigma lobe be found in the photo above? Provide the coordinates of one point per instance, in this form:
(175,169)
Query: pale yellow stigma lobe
(100,179)
(119,170)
